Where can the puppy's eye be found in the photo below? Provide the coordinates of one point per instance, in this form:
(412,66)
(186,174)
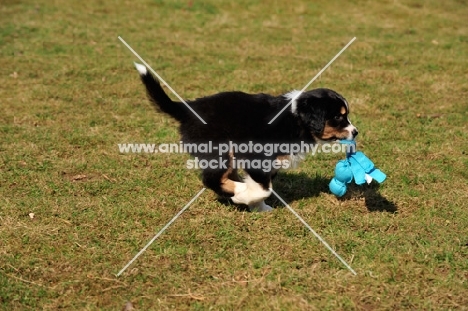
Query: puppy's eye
(338,118)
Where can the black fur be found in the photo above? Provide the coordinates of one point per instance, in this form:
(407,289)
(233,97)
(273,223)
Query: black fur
(161,101)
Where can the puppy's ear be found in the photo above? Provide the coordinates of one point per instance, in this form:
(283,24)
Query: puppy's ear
(312,115)
(317,122)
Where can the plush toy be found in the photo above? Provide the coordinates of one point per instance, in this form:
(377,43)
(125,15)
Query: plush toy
(356,166)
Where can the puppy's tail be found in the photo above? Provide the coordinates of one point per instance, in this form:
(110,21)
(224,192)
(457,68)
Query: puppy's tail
(158,97)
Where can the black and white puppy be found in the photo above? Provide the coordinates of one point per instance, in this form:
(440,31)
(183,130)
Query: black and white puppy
(240,118)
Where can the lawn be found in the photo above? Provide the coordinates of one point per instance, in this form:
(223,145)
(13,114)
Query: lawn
(74,210)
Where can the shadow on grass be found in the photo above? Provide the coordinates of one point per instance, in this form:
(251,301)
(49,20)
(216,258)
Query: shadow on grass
(292,187)
(374,201)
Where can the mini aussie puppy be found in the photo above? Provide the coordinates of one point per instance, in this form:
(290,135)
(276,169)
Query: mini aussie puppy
(240,118)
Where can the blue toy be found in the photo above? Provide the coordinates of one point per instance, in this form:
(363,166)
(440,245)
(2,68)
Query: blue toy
(356,166)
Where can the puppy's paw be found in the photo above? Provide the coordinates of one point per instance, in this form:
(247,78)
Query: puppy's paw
(260,207)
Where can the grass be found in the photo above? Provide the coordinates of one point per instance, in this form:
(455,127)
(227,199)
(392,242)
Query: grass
(70,94)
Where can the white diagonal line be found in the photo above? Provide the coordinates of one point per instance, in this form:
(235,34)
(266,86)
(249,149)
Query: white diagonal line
(160,232)
(314,233)
(160,79)
(313,79)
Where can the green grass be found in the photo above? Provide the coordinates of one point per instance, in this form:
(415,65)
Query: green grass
(69,94)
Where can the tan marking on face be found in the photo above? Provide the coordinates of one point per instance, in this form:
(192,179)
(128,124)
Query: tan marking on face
(330,132)
(343,110)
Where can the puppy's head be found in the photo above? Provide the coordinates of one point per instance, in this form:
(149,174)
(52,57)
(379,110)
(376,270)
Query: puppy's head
(324,113)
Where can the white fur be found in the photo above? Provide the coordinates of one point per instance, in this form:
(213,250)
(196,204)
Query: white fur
(293,95)
(350,128)
(252,194)
(141,69)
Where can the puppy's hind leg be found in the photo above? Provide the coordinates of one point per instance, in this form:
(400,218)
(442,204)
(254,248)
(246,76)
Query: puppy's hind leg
(253,192)
(248,192)
(218,181)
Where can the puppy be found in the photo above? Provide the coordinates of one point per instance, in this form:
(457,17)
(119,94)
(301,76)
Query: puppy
(236,118)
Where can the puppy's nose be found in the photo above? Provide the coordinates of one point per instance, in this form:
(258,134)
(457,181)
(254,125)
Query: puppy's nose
(355,132)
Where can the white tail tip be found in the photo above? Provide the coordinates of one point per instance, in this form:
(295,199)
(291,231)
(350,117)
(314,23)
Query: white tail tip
(141,69)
